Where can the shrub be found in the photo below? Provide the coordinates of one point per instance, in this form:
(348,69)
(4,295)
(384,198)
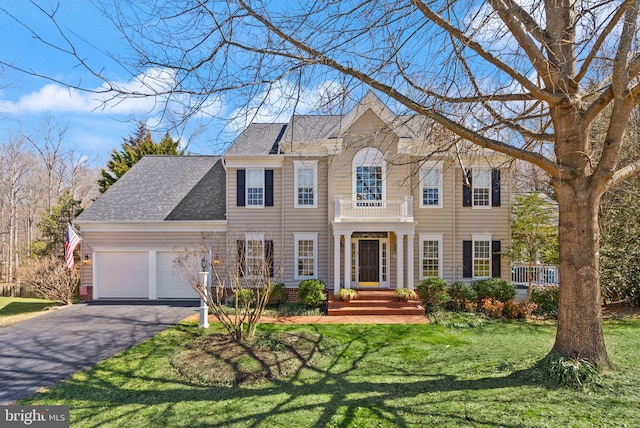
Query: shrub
(460,294)
(245,297)
(311,292)
(433,293)
(347,294)
(518,310)
(546,299)
(404,294)
(278,294)
(49,278)
(567,371)
(494,288)
(492,308)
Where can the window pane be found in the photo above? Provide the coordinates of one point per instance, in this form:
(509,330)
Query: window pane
(431,260)
(255,178)
(369,183)
(481,178)
(481,258)
(305,177)
(430,196)
(306,258)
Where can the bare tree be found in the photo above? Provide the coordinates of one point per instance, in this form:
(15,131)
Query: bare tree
(523,78)
(240,289)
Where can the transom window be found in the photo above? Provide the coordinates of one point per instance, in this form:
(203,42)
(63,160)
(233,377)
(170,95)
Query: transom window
(481,187)
(255,187)
(481,259)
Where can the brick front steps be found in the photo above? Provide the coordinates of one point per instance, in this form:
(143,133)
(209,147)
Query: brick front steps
(374,302)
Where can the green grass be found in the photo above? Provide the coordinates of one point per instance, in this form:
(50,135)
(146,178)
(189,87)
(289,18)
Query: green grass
(369,375)
(10,306)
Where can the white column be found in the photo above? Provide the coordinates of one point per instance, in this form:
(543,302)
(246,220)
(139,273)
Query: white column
(347,260)
(400,260)
(410,272)
(336,263)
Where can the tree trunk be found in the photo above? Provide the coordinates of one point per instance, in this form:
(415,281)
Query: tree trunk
(580,333)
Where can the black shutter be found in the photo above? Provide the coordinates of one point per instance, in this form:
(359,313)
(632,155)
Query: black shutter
(466,189)
(240,191)
(241,259)
(268,256)
(495,188)
(467,259)
(495,259)
(268,187)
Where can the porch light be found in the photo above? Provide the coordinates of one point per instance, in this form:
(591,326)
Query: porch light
(86,259)
(203,264)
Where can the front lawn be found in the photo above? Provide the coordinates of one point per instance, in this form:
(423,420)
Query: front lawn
(16,308)
(363,375)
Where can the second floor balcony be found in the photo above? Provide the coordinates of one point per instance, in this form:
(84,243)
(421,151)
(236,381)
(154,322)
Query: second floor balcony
(373,210)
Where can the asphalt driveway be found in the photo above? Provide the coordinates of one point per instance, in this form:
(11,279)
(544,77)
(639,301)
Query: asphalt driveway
(43,350)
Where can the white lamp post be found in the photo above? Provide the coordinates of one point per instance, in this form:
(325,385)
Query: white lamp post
(204,309)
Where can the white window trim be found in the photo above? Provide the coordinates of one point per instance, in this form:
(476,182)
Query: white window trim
(428,166)
(246,188)
(301,237)
(473,187)
(305,164)
(480,237)
(369,156)
(431,237)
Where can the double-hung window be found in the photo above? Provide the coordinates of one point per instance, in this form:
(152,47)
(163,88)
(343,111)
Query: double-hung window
(255,187)
(306,250)
(431,186)
(305,183)
(255,256)
(431,255)
(481,187)
(482,258)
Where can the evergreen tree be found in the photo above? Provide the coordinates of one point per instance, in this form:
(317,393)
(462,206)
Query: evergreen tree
(132,150)
(53,225)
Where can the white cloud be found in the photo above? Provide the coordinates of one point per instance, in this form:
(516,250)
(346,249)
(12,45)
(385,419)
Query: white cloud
(137,96)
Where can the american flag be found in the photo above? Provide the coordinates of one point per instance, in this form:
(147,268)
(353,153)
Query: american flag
(70,244)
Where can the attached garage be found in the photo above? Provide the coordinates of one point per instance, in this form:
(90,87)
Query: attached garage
(169,284)
(122,275)
(132,232)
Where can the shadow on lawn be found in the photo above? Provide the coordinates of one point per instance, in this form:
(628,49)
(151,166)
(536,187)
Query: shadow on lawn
(337,390)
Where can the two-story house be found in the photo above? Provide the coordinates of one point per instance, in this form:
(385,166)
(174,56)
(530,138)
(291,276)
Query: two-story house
(366,199)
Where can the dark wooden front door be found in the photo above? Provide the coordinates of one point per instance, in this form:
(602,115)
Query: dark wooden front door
(369,262)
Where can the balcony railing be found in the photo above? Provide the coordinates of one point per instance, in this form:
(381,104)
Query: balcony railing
(391,211)
(540,274)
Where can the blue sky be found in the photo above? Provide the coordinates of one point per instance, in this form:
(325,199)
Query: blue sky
(94,128)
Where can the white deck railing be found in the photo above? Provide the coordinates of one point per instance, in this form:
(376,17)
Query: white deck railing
(347,210)
(540,274)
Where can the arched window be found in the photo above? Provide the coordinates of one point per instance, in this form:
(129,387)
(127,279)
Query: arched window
(369,171)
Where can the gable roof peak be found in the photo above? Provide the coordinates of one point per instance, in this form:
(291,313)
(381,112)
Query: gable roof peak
(372,102)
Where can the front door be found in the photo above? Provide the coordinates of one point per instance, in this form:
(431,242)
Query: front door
(369,251)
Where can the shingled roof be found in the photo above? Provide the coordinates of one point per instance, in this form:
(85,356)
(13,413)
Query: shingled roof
(164,188)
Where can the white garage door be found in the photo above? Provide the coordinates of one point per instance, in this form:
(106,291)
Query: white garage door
(170,285)
(123,275)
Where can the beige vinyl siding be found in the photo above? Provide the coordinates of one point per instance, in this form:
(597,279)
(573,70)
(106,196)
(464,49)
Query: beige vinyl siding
(305,220)
(86,268)
(494,220)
